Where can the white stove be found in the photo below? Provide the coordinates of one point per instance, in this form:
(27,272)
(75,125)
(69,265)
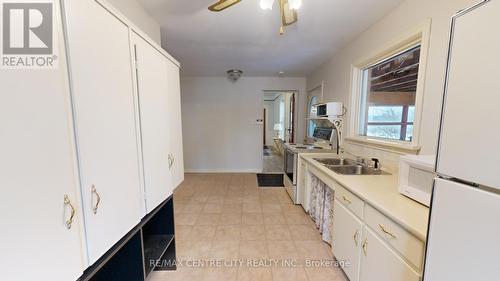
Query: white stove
(325,144)
(307,148)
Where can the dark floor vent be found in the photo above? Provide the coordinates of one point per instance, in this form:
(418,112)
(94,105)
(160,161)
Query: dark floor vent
(270,180)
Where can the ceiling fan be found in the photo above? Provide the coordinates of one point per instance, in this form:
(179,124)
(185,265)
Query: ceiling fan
(288,9)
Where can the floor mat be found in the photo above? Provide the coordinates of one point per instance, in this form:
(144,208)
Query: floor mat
(270,180)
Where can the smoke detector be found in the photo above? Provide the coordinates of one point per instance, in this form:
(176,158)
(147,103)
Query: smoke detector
(234,74)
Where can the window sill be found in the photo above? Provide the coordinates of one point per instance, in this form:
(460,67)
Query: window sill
(392,146)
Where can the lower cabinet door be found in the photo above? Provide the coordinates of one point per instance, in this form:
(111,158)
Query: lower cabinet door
(347,231)
(380,263)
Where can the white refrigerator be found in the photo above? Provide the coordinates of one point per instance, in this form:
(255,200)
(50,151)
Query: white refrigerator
(464,227)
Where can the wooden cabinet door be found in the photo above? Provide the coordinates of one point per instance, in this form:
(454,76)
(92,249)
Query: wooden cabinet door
(37,169)
(380,263)
(153,96)
(176,147)
(103,97)
(347,232)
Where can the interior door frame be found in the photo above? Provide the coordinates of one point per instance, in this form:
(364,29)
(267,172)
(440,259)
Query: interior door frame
(264,118)
(291,132)
(296,112)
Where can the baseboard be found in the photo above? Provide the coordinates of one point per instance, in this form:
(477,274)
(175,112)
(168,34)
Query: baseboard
(222,171)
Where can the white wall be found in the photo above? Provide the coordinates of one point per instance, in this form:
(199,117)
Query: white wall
(336,72)
(219,121)
(136,13)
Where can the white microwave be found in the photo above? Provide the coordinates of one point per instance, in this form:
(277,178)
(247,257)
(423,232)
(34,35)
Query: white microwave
(329,109)
(416,177)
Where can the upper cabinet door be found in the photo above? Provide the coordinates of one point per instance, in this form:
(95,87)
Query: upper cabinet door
(176,147)
(101,73)
(37,169)
(469,135)
(152,89)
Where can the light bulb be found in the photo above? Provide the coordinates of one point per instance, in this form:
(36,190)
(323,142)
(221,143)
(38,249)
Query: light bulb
(266,4)
(294,4)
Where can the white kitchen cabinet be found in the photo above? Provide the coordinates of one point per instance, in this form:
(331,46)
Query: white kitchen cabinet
(175,128)
(38,170)
(103,98)
(347,233)
(153,96)
(380,263)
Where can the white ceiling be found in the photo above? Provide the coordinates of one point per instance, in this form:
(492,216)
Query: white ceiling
(247,38)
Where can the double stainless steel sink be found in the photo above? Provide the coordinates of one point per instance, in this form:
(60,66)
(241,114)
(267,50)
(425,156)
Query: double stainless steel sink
(346,166)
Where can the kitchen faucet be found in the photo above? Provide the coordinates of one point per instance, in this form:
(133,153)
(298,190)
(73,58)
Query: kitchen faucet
(335,138)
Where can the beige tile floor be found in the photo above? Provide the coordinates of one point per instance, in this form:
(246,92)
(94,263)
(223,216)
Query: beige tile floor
(256,233)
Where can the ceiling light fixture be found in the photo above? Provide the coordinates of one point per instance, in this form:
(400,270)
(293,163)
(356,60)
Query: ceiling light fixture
(288,9)
(294,4)
(234,74)
(266,4)
(222,5)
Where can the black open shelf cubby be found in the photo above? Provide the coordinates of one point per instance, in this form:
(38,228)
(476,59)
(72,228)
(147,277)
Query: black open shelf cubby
(148,246)
(158,236)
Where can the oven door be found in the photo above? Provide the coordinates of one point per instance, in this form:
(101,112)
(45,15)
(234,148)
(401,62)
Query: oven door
(290,165)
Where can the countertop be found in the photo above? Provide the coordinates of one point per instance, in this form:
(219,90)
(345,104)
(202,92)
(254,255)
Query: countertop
(381,192)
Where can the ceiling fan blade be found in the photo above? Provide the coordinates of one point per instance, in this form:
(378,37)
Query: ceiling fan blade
(289,16)
(222,5)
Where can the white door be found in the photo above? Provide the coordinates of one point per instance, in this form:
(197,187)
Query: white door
(101,73)
(469,138)
(37,169)
(153,96)
(347,231)
(464,234)
(176,147)
(380,263)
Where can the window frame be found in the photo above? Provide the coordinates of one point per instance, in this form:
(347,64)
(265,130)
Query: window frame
(417,36)
(316,91)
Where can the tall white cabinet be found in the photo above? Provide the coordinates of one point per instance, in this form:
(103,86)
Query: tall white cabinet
(103,93)
(88,149)
(175,128)
(42,228)
(152,92)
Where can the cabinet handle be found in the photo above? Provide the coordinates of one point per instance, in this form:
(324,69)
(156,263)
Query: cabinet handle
(67,202)
(365,246)
(94,191)
(347,200)
(170,161)
(355,237)
(386,231)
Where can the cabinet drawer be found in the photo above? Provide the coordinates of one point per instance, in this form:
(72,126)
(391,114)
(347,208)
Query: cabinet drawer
(351,201)
(409,246)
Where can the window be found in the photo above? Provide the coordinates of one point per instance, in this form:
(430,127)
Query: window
(388,97)
(312,113)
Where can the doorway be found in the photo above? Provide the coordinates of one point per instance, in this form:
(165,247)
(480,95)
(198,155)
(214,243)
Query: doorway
(279,127)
